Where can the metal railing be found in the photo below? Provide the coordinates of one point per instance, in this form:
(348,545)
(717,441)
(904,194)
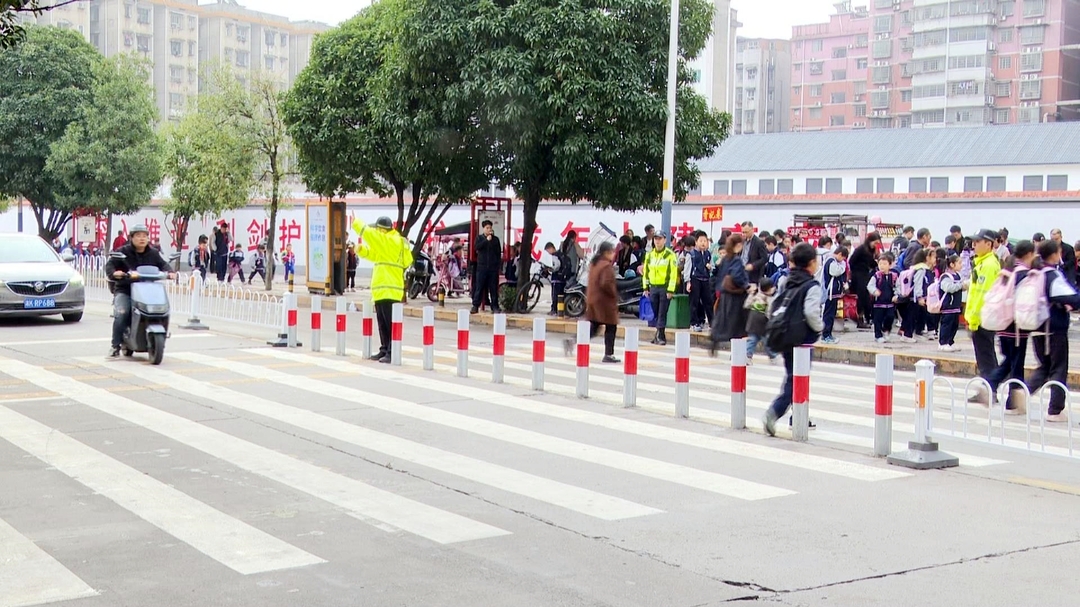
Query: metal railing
(188,294)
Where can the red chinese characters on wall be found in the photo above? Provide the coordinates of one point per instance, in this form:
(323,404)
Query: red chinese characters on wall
(288,232)
(257,233)
(582,232)
(519,232)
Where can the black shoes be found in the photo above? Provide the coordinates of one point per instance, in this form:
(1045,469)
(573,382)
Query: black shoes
(114,352)
(611,360)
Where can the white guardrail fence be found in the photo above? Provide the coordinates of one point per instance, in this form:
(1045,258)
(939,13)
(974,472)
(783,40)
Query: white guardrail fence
(188,294)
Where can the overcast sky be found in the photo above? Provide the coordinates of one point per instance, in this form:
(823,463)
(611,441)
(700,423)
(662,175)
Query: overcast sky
(760,18)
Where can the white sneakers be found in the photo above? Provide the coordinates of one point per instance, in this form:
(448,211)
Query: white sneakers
(949,348)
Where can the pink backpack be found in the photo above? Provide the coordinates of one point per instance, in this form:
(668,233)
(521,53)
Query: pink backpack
(933,297)
(907,283)
(998,311)
(1031,303)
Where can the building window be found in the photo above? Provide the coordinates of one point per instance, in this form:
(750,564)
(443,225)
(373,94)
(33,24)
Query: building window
(886,185)
(1032,34)
(176,48)
(271,38)
(933,38)
(785,186)
(1005,34)
(269,61)
(192,23)
(1001,116)
(1003,89)
(881,75)
(861,63)
(879,99)
(813,185)
(973,184)
(815,113)
(720,187)
(929,90)
(995,184)
(284,40)
(229,54)
(229,30)
(939,184)
(882,24)
(964,87)
(738,187)
(839,75)
(766,187)
(966,62)
(815,90)
(243,58)
(1031,62)
(860,110)
(128,9)
(144,15)
(905,96)
(1057,183)
(836,120)
(176,21)
(176,74)
(1005,63)
(967,34)
(1034,8)
(864,185)
(882,49)
(838,97)
(192,75)
(1027,115)
(1006,8)
(928,117)
(1033,183)
(817,45)
(1030,89)
(142,43)
(834,185)
(192,48)
(129,39)
(839,52)
(817,68)
(917,185)
(242,34)
(862,41)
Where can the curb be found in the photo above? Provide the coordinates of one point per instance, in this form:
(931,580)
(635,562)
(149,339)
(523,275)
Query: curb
(834,354)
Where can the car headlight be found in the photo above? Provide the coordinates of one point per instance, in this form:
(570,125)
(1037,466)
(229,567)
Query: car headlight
(75,281)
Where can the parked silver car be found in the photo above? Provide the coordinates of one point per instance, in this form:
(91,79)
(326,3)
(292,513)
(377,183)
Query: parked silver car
(36,281)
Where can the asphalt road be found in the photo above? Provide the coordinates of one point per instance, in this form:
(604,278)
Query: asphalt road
(237,474)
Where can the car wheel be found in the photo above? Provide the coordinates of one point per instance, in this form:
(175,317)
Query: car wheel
(73,317)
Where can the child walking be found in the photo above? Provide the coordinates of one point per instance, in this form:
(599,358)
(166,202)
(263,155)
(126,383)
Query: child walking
(882,288)
(758,305)
(258,264)
(834,281)
(951,286)
(236,263)
(288,259)
(351,262)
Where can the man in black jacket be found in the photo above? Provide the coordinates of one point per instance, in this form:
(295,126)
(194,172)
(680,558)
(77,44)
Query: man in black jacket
(137,253)
(222,245)
(488,265)
(1068,257)
(754,254)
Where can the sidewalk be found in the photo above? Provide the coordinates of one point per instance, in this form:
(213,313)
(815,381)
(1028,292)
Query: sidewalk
(855,347)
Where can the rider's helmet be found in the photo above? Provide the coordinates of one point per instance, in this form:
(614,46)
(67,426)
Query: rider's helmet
(135,229)
(384,223)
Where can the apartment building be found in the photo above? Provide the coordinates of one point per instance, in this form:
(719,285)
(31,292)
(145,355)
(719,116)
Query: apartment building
(179,37)
(714,68)
(762,86)
(931,63)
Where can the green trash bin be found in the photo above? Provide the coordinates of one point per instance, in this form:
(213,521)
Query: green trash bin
(678,316)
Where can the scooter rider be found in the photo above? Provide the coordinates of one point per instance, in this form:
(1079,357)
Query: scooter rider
(137,252)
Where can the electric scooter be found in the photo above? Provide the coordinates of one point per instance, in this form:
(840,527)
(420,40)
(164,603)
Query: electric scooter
(149,314)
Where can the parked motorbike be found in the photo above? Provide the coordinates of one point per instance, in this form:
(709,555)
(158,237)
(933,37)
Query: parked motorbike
(418,276)
(149,314)
(630,291)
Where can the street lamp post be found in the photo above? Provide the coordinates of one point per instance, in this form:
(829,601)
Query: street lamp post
(669,136)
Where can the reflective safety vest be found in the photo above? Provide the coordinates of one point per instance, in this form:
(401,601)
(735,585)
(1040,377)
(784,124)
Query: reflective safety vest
(660,270)
(391,255)
(983,274)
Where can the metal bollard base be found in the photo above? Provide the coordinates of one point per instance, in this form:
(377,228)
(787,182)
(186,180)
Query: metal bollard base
(194,324)
(923,456)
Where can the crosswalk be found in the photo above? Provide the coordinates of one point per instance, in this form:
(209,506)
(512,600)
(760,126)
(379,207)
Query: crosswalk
(498,445)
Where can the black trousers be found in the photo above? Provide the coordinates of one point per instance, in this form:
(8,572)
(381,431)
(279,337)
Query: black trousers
(487,289)
(384,311)
(660,302)
(609,336)
(1053,357)
(862,292)
(948,326)
(351,278)
(985,355)
(701,301)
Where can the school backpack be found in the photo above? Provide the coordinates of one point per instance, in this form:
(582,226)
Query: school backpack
(777,275)
(998,311)
(907,283)
(901,259)
(933,297)
(772,268)
(191,258)
(786,327)
(565,272)
(1032,307)
(898,246)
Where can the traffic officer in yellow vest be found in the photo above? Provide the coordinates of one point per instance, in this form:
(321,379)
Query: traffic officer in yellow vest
(660,277)
(392,255)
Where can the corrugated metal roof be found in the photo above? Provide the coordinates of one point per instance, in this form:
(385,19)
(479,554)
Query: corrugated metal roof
(995,145)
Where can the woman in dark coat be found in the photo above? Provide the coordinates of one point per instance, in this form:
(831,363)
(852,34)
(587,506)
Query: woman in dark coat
(602,298)
(732,282)
(863,264)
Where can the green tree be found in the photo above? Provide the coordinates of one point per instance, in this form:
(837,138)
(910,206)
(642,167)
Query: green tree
(12,31)
(44,83)
(364,119)
(109,159)
(574,92)
(211,167)
(253,108)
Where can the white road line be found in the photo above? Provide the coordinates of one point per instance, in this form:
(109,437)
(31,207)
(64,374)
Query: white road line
(90,340)
(34,399)
(359,499)
(634,464)
(587,502)
(775,455)
(29,576)
(231,542)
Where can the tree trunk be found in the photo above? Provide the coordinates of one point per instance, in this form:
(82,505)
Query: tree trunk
(531,198)
(179,234)
(275,199)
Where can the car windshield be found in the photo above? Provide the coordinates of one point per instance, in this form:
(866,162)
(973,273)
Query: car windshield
(26,250)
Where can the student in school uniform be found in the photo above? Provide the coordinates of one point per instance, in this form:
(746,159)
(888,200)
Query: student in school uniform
(882,288)
(834,276)
(952,288)
(1052,349)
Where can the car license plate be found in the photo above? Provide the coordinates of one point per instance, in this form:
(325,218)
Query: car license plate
(39,304)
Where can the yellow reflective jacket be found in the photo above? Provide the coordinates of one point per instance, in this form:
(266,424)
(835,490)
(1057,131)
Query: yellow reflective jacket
(983,274)
(391,254)
(661,270)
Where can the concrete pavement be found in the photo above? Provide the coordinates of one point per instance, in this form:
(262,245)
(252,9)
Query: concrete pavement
(278,477)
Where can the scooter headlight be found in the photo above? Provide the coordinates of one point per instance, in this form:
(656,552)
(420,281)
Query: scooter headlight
(157,308)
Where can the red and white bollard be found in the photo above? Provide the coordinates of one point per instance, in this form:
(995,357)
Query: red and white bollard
(630,358)
(883,405)
(682,374)
(340,311)
(316,323)
(366,329)
(738,384)
(583,358)
(429,338)
(463,343)
(539,352)
(290,319)
(800,395)
(397,332)
(498,349)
